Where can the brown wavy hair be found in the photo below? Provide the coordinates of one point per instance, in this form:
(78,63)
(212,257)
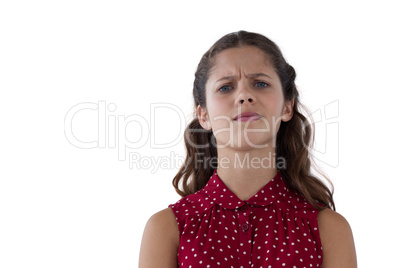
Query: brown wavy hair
(293,141)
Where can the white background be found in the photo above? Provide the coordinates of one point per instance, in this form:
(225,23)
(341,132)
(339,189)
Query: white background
(64,206)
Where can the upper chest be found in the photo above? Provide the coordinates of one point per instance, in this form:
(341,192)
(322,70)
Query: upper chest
(249,235)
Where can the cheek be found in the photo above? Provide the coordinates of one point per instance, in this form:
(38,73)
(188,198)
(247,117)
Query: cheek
(218,117)
(274,102)
(218,107)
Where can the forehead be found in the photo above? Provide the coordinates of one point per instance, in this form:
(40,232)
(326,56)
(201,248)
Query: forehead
(247,59)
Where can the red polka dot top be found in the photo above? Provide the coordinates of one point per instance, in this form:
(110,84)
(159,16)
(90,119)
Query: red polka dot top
(276,227)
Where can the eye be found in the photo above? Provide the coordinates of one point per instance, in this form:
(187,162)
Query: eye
(261,84)
(224,88)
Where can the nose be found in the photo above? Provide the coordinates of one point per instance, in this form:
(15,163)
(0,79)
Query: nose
(249,100)
(245,95)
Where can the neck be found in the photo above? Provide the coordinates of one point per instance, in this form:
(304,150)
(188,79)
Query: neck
(246,172)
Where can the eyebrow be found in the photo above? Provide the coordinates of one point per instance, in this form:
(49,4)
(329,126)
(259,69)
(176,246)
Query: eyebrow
(248,76)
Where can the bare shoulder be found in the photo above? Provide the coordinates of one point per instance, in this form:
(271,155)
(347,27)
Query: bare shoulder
(337,240)
(163,218)
(160,241)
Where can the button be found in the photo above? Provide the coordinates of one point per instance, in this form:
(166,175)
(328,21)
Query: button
(244,208)
(244,227)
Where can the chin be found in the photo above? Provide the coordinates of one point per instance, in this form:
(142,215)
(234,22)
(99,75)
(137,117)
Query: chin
(247,144)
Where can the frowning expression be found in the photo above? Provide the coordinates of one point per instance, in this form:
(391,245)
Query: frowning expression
(244,99)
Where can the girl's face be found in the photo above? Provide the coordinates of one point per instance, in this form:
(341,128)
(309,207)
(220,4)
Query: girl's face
(243,80)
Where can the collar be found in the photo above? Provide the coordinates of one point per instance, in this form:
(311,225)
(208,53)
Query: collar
(221,195)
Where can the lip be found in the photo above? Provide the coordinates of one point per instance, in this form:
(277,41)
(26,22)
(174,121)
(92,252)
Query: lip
(247,116)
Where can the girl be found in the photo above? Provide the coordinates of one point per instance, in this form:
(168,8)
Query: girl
(249,196)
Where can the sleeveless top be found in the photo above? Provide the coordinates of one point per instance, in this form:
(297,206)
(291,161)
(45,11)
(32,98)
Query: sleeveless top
(276,227)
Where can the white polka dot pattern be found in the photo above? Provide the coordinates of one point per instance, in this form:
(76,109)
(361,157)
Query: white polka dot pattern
(276,227)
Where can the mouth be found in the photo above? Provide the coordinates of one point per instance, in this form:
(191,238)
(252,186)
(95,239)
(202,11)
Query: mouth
(247,116)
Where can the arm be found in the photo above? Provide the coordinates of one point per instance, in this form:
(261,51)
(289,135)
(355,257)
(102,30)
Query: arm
(337,240)
(160,241)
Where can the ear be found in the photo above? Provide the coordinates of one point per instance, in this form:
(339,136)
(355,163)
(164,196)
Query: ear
(203,118)
(287,112)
